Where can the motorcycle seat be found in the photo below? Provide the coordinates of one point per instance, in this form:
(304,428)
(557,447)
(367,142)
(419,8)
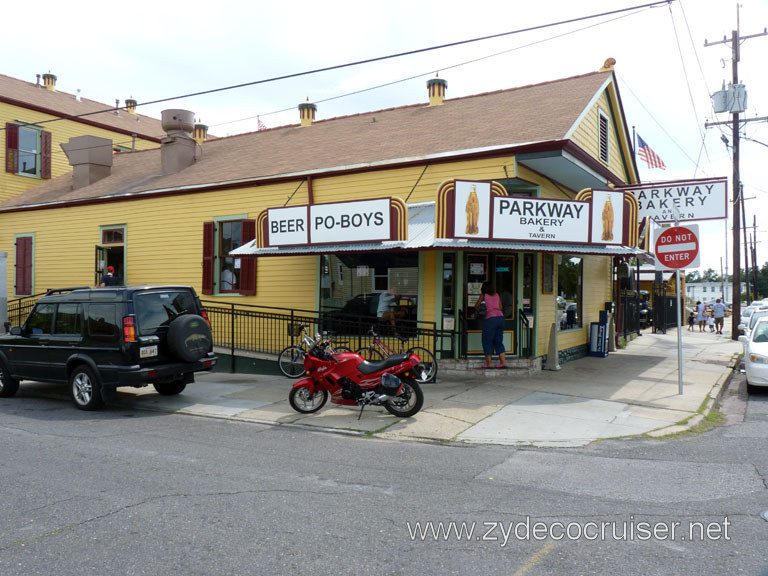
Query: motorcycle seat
(371,367)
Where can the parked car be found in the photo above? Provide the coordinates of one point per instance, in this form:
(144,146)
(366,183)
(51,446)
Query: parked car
(748,324)
(98,339)
(756,354)
(569,317)
(355,317)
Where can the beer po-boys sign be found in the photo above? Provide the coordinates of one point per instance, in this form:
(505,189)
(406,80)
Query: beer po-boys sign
(374,220)
(484,210)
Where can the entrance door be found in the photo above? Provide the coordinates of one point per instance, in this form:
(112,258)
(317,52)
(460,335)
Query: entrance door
(501,269)
(110,256)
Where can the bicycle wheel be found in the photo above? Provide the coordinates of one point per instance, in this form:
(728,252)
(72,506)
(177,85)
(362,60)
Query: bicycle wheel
(428,360)
(291,362)
(370,354)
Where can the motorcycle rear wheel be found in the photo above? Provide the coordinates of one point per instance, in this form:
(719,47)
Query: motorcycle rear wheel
(408,402)
(305,403)
(429,361)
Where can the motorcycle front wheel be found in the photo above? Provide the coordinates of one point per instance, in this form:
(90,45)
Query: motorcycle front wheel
(408,402)
(302,401)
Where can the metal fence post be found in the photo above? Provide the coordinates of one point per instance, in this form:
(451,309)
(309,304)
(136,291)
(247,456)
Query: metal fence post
(232,338)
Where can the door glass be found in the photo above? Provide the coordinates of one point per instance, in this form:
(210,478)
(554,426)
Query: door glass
(41,319)
(505,284)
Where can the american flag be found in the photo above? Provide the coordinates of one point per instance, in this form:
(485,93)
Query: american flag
(646,153)
(262,126)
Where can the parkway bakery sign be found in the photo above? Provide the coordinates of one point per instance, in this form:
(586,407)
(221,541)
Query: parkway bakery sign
(483,210)
(689,199)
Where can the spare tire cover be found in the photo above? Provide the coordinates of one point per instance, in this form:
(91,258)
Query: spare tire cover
(189,338)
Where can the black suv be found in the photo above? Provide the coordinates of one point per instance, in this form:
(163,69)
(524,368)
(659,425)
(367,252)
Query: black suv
(96,339)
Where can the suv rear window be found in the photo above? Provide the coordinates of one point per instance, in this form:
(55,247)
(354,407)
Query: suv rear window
(155,309)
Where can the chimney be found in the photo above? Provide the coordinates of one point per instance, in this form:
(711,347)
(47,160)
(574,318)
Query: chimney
(90,158)
(130,105)
(177,149)
(50,81)
(307,112)
(201,133)
(436,88)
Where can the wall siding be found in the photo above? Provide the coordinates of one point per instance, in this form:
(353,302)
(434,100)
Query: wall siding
(164,238)
(587,137)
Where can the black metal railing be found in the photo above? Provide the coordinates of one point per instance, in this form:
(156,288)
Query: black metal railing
(267,330)
(525,337)
(19,308)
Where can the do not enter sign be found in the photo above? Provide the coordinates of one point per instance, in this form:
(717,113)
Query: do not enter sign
(677,247)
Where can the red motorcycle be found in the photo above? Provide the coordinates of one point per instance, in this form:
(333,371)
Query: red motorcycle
(353,381)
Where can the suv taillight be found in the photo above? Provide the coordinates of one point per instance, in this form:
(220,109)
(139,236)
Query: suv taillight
(129,329)
(204,314)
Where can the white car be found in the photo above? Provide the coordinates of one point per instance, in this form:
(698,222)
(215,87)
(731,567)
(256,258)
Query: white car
(756,354)
(748,324)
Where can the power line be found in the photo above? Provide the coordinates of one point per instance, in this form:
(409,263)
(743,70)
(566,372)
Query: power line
(367,61)
(430,72)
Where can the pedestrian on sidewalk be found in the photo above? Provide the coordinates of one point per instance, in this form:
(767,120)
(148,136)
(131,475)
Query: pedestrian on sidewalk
(700,319)
(719,311)
(711,322)
(691,321)
(493,326)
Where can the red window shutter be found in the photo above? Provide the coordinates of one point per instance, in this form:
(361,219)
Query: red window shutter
(11,147)
(248,264)
(208,257)
(45,156)
(23,285)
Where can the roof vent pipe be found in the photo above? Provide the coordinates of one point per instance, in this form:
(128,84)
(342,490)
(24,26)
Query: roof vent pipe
(436,88)
(177,150)
(307,112)
(50,81)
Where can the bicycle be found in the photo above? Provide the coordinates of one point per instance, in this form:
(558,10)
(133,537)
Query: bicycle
(291,358)
(378,350)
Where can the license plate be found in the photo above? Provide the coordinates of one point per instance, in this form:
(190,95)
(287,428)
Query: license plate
(148,351)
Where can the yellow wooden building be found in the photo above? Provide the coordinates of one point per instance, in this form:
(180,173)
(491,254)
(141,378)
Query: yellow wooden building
(325,216)
(35,118)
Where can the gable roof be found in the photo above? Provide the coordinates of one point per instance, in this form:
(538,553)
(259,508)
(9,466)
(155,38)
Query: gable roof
(527,119)
(37,97)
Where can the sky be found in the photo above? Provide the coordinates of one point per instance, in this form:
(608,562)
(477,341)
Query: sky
(156,50)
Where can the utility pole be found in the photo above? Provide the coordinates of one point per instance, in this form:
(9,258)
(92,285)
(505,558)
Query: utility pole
(735,42)
(746,248)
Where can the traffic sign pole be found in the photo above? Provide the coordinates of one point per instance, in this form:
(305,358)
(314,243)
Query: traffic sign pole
(677,248)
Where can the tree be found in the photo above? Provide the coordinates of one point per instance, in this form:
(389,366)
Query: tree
(710,276)
(693,276)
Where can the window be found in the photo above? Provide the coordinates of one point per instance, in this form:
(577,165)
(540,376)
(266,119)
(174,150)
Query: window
(113,235)
(570,272)
(68,319)
(27,150)
(102,322)
(223,274)
(41,319)
(23,265)
(603,136)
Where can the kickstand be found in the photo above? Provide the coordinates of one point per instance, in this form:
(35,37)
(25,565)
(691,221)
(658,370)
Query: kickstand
(362,407)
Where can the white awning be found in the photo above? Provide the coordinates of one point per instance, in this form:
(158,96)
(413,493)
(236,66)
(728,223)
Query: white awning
(421,236)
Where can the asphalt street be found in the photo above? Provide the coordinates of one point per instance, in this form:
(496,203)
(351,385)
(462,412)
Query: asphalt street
(129,491)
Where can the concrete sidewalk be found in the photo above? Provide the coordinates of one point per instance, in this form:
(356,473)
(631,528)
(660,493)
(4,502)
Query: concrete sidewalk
(632,391)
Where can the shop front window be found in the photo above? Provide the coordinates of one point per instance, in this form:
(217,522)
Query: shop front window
(570,271)
(352,286)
